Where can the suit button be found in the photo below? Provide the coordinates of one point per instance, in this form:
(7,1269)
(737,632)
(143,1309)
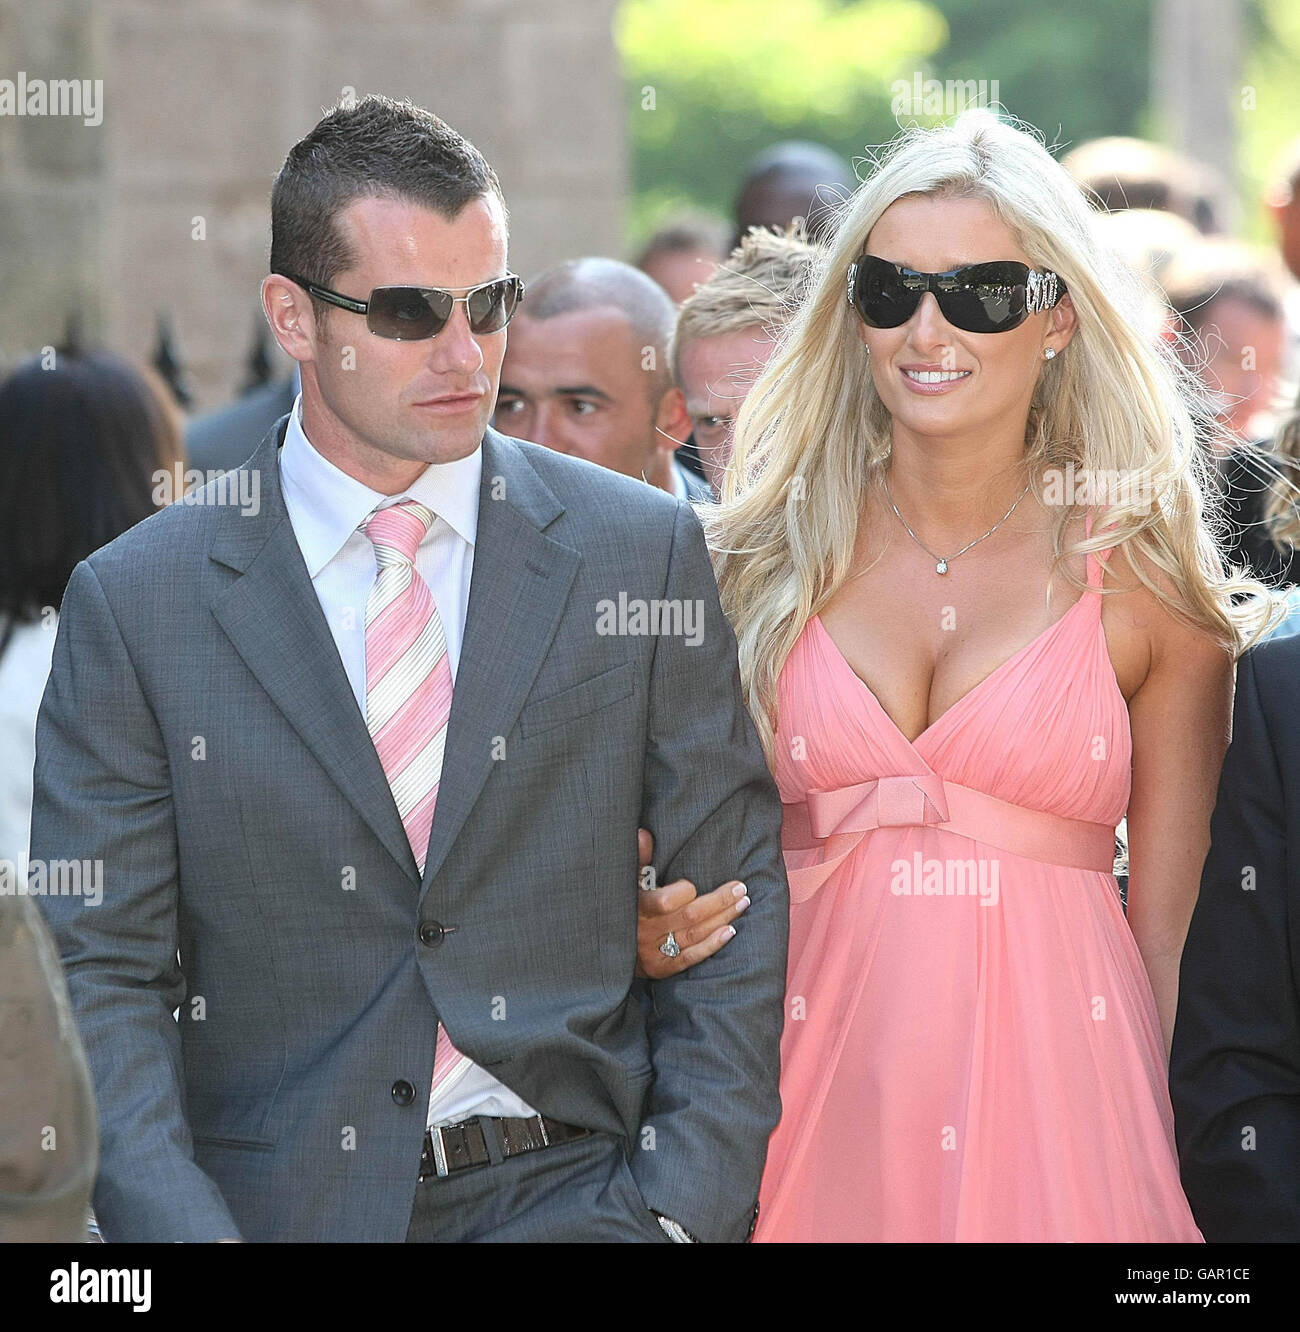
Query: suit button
(431,933)
(403,1092)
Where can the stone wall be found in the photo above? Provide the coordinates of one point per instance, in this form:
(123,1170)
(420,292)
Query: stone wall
(202,99)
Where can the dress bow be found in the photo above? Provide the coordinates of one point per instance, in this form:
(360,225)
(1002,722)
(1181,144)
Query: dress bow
(887,802)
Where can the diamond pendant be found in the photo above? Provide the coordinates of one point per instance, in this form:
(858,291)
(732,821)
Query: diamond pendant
(941,567)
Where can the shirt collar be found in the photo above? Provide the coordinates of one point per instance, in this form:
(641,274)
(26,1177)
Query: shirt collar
(679,480)
(326,505)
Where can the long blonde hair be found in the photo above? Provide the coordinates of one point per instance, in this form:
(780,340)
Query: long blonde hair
(812,434)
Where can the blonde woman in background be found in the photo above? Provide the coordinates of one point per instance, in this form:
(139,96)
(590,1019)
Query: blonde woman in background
(966,666)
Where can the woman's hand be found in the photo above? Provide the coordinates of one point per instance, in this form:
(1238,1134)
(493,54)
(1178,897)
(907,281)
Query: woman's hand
(701,925)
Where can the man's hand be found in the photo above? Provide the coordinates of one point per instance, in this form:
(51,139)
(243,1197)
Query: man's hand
(701,925)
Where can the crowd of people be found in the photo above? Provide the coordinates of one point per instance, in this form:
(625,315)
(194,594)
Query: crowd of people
(898,882)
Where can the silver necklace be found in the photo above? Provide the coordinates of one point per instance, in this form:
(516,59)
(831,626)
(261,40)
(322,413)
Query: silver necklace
(942,561)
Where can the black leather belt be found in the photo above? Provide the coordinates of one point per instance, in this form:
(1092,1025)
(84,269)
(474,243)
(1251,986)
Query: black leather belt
(454,1147)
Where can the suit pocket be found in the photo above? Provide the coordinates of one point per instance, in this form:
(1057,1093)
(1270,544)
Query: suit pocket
(637,1204)
(580,700)
(233,1119)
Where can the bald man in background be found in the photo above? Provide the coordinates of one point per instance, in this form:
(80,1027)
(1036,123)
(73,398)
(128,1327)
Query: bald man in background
(586,372)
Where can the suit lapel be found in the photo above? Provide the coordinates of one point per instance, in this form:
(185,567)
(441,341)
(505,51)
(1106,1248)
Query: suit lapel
(518,590)
(273,617)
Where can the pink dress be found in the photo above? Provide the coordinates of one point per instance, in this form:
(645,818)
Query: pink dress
(971,1047)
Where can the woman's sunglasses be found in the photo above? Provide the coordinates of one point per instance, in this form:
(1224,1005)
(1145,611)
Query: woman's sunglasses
(411,314)
(980,298)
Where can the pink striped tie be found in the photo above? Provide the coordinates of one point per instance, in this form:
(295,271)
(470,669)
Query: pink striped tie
(408,689)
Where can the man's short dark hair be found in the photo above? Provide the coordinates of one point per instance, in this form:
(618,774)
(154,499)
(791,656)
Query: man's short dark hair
(373,148)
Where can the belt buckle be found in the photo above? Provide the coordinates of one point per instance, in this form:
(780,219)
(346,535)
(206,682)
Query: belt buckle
(439,1152)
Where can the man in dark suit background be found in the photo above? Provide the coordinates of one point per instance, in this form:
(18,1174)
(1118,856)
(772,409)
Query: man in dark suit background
(1235,1064)
(394,1022)
(219,440)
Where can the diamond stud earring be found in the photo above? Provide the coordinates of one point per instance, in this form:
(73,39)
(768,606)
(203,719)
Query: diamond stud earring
(1049,353)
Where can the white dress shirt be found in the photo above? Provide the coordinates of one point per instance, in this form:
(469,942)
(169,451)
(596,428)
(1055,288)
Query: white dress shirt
(679,480)
(326,508)
(24,669)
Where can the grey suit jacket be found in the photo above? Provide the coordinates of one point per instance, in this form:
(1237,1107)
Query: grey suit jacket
(199,737)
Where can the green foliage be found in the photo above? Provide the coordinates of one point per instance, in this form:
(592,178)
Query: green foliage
(1268,116)
(709,83)
(1073,71)
(712,82)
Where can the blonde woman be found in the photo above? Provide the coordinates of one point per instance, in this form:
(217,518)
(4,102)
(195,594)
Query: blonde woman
(980,614)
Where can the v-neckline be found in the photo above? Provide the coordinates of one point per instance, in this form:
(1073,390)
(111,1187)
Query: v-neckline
(974,689)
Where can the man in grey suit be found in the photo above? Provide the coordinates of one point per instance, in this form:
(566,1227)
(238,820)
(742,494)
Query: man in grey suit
(256,703)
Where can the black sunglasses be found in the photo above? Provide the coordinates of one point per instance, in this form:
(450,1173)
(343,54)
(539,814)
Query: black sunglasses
(411,314)
(979,298)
